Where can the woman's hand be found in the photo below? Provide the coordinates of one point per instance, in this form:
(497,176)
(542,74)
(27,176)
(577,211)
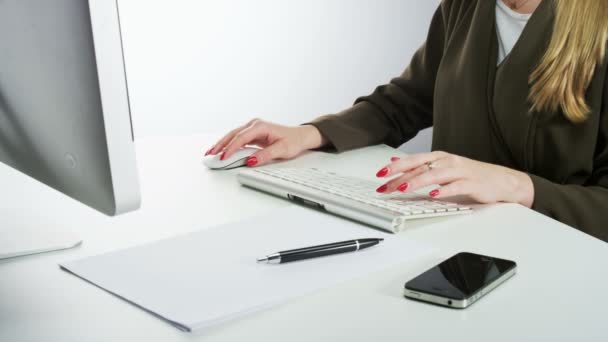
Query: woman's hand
(483,182)
(277,141)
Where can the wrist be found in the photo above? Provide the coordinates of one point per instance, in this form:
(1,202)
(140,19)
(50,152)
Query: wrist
(525,190)
(312,137)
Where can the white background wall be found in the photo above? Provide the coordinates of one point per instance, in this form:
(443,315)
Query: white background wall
(206,66)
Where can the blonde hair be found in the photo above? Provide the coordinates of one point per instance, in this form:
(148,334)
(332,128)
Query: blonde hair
(577,46)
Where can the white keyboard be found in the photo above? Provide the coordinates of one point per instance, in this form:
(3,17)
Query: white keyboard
(406,205)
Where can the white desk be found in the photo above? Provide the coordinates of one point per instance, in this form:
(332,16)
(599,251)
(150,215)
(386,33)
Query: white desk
(559,293)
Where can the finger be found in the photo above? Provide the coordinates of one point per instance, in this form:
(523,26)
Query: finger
(409,162)
(219,146)
(278,150)
(244,137)
(436,176)
(263,142)
(401,183)
(457,188)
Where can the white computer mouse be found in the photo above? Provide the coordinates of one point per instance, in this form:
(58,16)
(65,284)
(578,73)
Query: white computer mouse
(238,159)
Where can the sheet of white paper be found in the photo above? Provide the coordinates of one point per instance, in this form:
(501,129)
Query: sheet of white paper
(210,276)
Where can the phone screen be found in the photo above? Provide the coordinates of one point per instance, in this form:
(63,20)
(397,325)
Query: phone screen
(460,276)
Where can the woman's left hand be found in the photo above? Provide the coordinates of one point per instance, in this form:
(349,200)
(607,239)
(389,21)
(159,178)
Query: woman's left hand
(483,182)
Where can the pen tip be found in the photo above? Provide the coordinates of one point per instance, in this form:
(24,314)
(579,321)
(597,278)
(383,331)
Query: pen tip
(264,259)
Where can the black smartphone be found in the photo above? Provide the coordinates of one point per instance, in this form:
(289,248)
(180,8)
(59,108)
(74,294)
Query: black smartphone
(460,280)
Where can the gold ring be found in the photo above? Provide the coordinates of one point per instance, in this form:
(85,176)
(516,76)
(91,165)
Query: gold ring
(430,165)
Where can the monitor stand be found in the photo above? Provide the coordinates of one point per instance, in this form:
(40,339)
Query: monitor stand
(22,241)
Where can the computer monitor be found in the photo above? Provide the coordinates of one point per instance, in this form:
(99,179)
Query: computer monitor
(64,106)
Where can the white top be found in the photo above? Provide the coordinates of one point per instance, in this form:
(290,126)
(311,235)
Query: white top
(509,26)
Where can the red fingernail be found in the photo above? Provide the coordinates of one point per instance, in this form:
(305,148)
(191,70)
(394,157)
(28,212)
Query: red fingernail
(382,172)
(252,161)
(208,151)
(383,188)
(403,187)
(222,156)
(434,193)
(394,159)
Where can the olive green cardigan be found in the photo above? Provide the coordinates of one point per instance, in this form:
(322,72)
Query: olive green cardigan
(481,112)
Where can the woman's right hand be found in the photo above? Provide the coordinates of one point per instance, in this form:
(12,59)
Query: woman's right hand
(276,141)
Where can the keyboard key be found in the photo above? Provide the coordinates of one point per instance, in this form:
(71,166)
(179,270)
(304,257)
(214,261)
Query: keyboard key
(362,191)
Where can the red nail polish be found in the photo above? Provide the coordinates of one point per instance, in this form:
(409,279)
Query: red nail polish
(223,156)
(382,189)
(394,159)
(403,187)
(382,172)
(434,193)
(252,161)
(208,151)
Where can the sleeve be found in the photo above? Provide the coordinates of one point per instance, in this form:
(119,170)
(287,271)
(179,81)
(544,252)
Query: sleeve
(394,113)
(584,207)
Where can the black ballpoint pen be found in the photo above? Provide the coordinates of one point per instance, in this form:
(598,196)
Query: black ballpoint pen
(319,251)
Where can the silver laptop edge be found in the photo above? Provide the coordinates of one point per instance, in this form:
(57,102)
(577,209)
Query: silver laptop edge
(107,37)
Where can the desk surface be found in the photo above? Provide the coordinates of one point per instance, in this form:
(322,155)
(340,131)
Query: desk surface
(558,294)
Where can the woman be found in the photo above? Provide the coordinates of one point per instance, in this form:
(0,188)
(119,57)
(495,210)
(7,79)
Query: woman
(516,91)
